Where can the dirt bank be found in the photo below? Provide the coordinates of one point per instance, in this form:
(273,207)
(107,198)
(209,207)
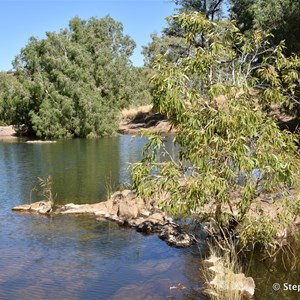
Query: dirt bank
(7,132)
(143,118)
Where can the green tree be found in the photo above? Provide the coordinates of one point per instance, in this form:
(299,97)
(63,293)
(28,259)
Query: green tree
(172,47)
(231,151)
(210,8)
(73,83)
(171,42)
(279,17)
(140,87)
(8,84)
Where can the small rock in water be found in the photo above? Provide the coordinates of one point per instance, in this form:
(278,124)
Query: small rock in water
(148,227)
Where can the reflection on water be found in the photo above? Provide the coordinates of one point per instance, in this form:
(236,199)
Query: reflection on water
(68,257)
(65,257)
(283,269)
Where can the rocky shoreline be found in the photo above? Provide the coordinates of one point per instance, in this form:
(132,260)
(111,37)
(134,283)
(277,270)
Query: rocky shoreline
(126,209)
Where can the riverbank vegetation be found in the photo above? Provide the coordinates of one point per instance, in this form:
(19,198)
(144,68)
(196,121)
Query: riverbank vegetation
(218,77)
(219,81)
(217,72)
(74,83)
(236,167)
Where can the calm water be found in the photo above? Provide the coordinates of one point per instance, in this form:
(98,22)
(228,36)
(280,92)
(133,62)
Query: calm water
(75,257)
(67,257)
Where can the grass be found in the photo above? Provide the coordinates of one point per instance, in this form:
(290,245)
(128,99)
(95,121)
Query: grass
(223,270)
(46,189)
(130,113)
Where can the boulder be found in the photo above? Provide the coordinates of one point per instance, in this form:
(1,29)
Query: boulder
(149,227)
(157,218)
(174,236)
(71,209)
(114,218)
(135,222)
(128,209)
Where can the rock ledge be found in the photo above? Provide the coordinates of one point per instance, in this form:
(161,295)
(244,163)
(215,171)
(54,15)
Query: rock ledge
(126,209)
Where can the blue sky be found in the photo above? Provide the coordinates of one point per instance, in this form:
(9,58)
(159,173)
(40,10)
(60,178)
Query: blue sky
(20,19)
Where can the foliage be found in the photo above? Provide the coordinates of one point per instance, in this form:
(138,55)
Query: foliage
(210,8)
(171,42)
(172,47)
(140,87)
(73,83)
(46,189)
(279,17)
(7,81)
(231,151)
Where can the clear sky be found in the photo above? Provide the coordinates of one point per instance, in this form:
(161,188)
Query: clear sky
(20,19)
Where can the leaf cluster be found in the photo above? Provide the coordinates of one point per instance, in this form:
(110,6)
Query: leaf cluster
(231,151)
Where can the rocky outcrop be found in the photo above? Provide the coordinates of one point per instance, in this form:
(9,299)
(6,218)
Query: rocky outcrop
(41,207)
(126,209)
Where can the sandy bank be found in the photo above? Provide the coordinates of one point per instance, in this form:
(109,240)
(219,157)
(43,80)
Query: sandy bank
(7,132)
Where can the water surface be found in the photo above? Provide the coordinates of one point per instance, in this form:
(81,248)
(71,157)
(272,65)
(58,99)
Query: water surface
(72,257)
(78,257)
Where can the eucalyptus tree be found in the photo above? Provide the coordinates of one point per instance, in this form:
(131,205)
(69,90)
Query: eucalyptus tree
(232,152)
(279,17)
(212,9)
(171,43)
(73,83)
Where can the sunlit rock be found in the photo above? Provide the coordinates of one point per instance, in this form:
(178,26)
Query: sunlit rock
(41,207)
(126,209)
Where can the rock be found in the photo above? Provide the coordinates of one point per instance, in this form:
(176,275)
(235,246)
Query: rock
(41,207)
(174,236)
(135,222)
(115,218)
(111,207)
(144,213)
(125,209)
(119,195)
(71,209)
(156,218)
(149,227)
(128,209)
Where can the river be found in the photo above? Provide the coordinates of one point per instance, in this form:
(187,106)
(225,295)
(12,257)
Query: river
(78,257)
(72,257)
